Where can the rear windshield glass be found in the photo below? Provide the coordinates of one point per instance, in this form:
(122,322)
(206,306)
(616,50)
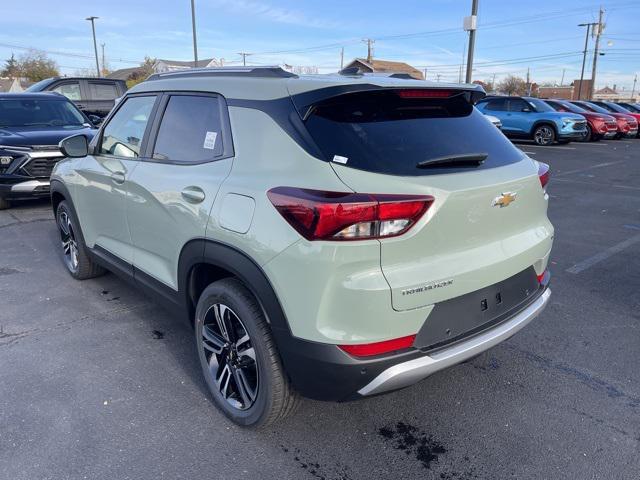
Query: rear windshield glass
(383,132)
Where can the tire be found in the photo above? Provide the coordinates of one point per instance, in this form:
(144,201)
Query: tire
(4,204)
(588,137)
(238,356)
(544,135)
(74,251)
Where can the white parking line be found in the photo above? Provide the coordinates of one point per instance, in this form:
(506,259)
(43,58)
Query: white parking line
(552,146)
(599,257)
(595,144)
(580,170)
(528,153)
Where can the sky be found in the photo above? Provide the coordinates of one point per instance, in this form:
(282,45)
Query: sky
(512,36)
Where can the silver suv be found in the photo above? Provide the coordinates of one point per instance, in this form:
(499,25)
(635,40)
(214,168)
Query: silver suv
(334,236)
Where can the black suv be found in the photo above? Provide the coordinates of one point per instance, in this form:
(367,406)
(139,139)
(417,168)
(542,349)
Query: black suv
(94,96)
(31,126)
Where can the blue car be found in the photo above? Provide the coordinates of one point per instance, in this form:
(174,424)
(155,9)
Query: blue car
(531,118)
(31,126)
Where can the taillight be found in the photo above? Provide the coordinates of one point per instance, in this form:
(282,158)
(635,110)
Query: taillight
(424,93)
(544,277)
(543,173)
(320,215)
(378,348)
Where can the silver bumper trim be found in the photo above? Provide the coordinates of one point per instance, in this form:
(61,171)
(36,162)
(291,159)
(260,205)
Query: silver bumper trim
(28,186)
(408,373)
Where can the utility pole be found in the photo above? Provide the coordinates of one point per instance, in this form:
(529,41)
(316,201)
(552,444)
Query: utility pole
(438,76)
(584,55)
(425,73)
(633,90)
(599,29)
(562,79)
(341,58)
(244,56)
(104,68)
(95,45)
(493,83)
(195,40)
(369,43)
(471,25)
(528,84)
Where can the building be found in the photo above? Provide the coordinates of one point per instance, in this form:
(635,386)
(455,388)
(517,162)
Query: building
(162,65)
(565,92)
(384,66)
(607,93)
(14,85)
(581,93)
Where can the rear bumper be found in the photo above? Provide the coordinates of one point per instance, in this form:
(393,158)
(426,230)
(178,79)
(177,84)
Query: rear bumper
(412,371)
(324,372)
(34,188)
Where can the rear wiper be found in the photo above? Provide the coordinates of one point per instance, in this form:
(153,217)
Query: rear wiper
(463,160)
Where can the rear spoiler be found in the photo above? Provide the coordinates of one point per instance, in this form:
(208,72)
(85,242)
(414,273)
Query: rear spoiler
(304,102)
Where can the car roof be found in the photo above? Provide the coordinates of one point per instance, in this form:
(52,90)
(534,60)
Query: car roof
(267,83)
(34,96)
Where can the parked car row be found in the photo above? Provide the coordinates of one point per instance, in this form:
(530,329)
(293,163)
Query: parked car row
(546,121)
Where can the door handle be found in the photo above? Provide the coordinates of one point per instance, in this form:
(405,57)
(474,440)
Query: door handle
(193,194)
(118,177)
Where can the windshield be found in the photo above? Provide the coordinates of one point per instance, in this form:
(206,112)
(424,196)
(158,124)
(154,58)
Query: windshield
(573,108)
(17,112)
(616,108)
(385,132)
(39,86)
(540,105)
(593,107)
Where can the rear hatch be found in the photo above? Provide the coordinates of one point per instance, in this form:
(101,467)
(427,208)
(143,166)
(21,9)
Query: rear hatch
(384,141)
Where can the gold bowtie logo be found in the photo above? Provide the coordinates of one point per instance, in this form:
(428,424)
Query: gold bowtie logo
(504,200)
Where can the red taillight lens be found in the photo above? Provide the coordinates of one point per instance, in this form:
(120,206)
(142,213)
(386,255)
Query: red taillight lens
(544,277)
(319,215)
(378,348)
(425,93)
(543,173)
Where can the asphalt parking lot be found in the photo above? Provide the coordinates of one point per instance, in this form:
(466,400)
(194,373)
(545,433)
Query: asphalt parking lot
(97,382)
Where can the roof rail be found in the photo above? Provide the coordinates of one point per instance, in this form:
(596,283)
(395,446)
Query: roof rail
(355,71)
(262,72)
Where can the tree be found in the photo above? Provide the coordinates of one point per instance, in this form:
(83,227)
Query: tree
(513,85)
(11,68)
(36,66)
(148,67)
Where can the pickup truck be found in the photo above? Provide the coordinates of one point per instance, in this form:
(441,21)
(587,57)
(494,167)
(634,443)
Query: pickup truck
(93,96)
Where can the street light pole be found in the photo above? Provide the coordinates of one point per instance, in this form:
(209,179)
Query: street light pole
(195,40)
(472,26)
(95,45)
(584,55)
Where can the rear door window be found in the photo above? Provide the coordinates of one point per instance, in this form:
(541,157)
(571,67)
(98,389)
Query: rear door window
(517,105)
(102,91)
(190,130)
(497,104)
(383,132)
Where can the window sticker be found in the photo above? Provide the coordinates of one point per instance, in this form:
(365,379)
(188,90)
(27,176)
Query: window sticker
(339,159)
(210,140)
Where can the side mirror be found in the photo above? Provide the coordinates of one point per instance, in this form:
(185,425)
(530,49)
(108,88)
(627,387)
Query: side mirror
(75,146)
(96,120)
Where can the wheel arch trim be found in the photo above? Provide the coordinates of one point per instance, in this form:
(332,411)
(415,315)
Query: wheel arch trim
(241,265)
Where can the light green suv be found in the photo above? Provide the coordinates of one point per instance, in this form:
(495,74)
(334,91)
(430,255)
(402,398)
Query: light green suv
(334,236)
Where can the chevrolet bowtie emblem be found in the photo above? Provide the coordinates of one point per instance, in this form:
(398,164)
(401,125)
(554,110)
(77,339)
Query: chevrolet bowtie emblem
(504,200)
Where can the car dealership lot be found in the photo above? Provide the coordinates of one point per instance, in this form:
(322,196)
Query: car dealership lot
(98,382)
